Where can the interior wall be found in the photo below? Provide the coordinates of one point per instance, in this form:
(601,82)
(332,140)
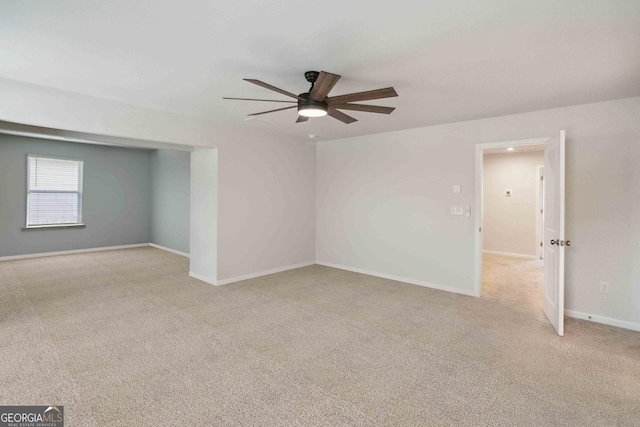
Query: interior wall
(203,262)
(116,197)
(170,187)
(266,205)
(266,215)
(383,201)
(510,223)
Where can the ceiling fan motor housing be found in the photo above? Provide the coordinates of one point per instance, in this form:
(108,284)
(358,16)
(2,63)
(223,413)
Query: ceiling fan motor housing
(310,107)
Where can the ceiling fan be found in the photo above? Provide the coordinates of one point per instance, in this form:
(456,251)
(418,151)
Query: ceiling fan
(316,103)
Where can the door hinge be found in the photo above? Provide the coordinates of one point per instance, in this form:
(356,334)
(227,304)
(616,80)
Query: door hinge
(540,244)
(541,178)
(480,229)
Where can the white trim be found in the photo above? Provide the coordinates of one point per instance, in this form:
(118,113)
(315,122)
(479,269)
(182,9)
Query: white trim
(399,279)
(164,248)
(203,278)
(477,250)
(603,319)
(75,251)
(53,226)
(513,143)
(510,254)
(78,192)
(539,210)
(264,273)
(477,222)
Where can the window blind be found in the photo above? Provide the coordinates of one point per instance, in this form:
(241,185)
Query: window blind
(54,191)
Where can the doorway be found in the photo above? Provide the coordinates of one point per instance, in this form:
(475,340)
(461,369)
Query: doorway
(510,202)
(554,243)
(511,262)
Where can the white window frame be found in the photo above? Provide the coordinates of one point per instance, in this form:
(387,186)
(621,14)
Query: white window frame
(80,222)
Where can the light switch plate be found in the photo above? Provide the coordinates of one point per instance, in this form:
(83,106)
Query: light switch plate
(457,210)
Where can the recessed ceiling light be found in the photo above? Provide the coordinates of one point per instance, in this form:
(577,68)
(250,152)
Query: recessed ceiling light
(510,149)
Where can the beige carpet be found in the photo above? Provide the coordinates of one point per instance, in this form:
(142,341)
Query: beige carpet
(514,281)
(125,338)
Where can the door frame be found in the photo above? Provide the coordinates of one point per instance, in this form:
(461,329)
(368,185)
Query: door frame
(479,203)
(540,212)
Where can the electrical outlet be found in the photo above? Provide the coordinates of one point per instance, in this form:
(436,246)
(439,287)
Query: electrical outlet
(604,287)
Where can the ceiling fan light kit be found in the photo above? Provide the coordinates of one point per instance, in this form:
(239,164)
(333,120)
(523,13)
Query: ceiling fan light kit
(309,107)
(316,103)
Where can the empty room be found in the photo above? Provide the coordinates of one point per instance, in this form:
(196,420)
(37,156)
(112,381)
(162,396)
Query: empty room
(347,213)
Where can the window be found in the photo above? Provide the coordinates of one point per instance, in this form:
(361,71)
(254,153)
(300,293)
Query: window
(54,192)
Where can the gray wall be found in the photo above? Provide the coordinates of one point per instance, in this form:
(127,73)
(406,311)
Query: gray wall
(170,183)
(116,201)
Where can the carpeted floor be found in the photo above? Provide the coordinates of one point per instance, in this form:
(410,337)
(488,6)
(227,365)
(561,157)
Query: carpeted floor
(514,281)
(125,338)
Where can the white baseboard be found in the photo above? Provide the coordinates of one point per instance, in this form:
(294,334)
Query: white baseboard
(206,279)
(263,273)
(603,319)
(75,251)
(164,248)
(510,254)
(470,293)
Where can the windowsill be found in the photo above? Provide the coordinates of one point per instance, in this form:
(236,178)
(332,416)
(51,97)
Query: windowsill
(47,227)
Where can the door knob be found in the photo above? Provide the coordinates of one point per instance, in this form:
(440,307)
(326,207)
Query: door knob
(565,243)
(555,242)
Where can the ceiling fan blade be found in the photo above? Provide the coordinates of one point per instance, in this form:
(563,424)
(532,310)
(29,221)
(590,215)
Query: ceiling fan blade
(340,116)
(323,85)
(273,88)
(302,119)
(388,92)
(266,100)
(273,111)
(365,108)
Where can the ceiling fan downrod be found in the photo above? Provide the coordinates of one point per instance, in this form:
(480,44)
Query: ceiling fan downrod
(311,77)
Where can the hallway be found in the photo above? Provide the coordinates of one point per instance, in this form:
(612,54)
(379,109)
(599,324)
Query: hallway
(515,281)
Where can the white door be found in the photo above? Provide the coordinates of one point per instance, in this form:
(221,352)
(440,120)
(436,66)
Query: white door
(554,243)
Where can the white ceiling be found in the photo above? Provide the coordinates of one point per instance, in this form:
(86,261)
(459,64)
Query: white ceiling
(448,60)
